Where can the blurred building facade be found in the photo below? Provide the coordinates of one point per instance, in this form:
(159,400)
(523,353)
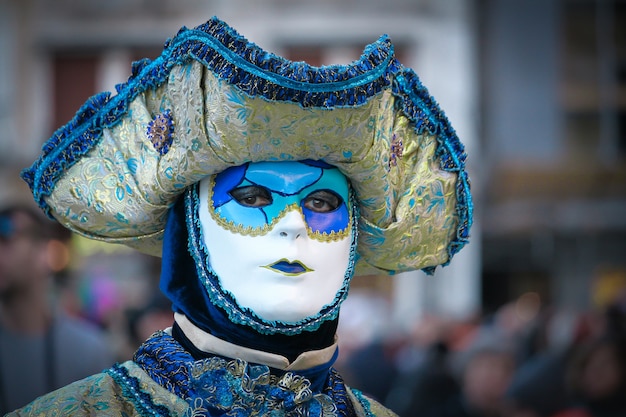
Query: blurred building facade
(535,89)
(553,77)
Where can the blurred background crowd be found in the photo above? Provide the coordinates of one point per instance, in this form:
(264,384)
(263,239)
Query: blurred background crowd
(527,359)
(527,321)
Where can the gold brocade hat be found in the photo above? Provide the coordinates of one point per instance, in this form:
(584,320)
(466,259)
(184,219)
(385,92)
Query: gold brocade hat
(213,100)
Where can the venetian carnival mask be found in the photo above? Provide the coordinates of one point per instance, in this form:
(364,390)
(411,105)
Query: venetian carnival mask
(278,236)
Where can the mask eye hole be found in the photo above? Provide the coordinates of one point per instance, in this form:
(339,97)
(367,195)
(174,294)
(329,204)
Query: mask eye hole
(322,201)
(252,196)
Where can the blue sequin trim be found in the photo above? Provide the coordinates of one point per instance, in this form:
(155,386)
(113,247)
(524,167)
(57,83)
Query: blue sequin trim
(234,59)
(130,387)
(364,402)
(244,316)
(428,117)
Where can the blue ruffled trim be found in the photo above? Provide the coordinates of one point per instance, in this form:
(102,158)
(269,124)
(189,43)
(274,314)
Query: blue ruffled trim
(141,400)
(244,316)
(232,58)
(260,73)
(428,117)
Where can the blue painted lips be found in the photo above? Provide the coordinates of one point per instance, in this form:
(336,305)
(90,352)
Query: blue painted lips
(289,268)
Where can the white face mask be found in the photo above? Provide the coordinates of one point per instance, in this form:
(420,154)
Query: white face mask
(278,236)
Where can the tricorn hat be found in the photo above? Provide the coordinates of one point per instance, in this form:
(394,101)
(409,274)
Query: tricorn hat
(213,100)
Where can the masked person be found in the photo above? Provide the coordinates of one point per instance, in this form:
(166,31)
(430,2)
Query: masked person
(265,185)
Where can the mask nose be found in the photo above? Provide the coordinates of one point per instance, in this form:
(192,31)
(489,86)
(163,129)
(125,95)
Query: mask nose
(292,226)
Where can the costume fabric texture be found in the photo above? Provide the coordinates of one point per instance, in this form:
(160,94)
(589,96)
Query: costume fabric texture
(165,380)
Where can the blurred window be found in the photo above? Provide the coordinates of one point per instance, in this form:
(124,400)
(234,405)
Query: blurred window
(594,78)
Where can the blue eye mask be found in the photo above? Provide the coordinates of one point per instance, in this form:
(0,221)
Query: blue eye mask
(299,189)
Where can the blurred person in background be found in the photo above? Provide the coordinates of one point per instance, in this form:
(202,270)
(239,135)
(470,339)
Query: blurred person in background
(599,377)
(577,368)
(596,373)
(368,343)
(539,385)
(142,322)
(41,347)
(484,371)
(424,378)
(423,389)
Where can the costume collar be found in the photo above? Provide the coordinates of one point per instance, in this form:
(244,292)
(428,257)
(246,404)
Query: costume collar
(220,386)
(208,343)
